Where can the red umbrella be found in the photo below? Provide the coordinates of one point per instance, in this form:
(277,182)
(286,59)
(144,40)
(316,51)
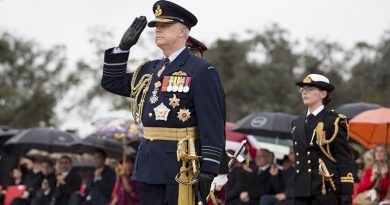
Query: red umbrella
(231,135)
(371,127)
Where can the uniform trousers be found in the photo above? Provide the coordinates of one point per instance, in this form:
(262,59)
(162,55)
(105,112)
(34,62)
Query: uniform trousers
(158,194)
(328,199)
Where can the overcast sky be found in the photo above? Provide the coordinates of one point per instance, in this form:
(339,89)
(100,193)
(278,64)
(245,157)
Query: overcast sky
(66,22)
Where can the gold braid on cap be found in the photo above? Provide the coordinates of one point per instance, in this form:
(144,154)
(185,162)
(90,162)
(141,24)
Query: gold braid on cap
(142,87)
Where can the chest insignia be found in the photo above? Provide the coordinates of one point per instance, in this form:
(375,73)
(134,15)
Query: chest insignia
(184,115)
(161,112)
(174,101)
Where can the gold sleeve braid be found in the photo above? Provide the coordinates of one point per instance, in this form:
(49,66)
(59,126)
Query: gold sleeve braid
(136,89)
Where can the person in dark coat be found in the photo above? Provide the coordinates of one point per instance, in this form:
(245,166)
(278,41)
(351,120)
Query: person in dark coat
(101,183)
(285,182)
(175,97)
(44,184)
(323,164)
(68,182)
(247,186)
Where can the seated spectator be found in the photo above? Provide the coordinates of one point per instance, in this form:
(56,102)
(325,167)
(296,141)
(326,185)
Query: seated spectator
(285,197)
(99,184)
(127,191)
(377,176)
(68,182)
(47,183)
(16,176)
(40,192)
(248,186)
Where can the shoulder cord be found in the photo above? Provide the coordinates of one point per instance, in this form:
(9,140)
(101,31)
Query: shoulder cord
(136,89)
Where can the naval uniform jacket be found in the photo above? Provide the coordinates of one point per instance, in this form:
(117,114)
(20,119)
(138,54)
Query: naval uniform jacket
(156,161)
(307,181)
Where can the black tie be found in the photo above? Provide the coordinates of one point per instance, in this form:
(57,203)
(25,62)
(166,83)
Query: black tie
(309,126)
(166,62)
(309,117)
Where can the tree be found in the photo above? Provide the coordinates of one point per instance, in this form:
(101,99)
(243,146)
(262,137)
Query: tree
(32,81)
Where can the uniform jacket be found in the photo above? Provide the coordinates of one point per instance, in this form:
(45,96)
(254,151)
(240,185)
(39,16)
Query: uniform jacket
(99,192)
(63,192)
(307,181)
(156,161)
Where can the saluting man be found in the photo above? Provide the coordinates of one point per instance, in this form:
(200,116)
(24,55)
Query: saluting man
(323,165)
(177,96)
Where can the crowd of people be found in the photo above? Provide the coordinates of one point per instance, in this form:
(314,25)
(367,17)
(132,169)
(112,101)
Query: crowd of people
(262,180)
(48,182)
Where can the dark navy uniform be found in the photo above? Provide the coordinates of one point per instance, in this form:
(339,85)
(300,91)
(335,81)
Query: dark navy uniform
(323,136)
(156,162)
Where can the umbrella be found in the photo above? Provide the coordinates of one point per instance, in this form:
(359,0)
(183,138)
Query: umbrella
(6,133)
(90,144)
(233,139)
(352,109)
(267,124)
(371,127)
(47,139)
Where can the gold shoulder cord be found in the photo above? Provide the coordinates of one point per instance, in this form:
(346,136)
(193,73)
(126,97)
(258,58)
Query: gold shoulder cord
(321,139)
(136,89)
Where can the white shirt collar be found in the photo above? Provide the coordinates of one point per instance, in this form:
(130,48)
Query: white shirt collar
(65,174)
(316,111)
(174,55)
(263,168)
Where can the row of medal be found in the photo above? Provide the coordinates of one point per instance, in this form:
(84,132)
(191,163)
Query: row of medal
(174,83)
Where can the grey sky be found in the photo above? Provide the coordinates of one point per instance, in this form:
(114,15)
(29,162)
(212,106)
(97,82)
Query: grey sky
(66,22)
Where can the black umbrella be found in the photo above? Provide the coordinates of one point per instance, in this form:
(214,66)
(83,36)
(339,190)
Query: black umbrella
(267,124)
(6,133)
(352,109)
(90,144)
(47,139)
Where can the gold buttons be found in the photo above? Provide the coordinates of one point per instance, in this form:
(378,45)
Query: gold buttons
(309,170)
(150,114)
(297,162)
(308,152)
(297,154)
(295,143)
(308,161)
(297,171)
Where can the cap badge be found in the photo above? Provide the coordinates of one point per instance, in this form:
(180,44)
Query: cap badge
(307,79)
(158,11)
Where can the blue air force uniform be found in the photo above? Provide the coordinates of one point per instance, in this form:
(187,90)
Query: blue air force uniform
(156,162)
(177,98)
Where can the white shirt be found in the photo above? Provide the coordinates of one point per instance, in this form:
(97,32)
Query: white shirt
(174,55)
(316,111)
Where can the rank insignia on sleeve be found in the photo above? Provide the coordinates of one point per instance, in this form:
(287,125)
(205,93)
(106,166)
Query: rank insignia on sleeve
(174,101)
(161,112)
(184,115)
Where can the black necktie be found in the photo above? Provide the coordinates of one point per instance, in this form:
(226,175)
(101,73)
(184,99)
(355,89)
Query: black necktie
(309,117)
(166,62)
(309,126)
